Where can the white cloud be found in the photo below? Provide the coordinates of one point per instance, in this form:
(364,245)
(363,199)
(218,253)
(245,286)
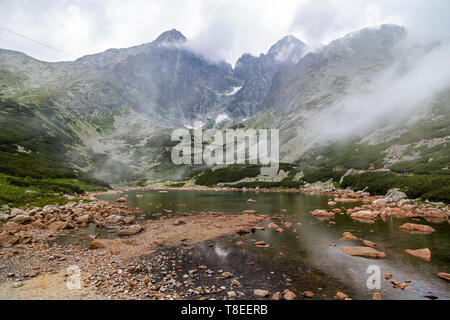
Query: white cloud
(220,29)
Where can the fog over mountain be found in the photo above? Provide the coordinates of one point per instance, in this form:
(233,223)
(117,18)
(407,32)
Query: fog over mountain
(117,108)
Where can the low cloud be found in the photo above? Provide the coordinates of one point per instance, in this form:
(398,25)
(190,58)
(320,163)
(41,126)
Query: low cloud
(397,93)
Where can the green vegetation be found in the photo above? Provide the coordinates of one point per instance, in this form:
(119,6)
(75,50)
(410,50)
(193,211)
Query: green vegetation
(236,172)
(231,173)
(35,149)
(431,187)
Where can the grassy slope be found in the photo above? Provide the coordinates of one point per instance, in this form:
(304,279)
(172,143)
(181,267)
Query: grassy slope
(45,163)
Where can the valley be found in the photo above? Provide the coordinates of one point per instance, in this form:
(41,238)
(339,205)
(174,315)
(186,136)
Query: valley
(87,179)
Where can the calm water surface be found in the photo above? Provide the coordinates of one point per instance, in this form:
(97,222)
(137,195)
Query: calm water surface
(306,255)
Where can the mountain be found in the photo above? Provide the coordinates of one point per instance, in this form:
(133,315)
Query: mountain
(257,72)
(111,114)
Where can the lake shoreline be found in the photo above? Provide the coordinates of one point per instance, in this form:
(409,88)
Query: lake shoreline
(116,268)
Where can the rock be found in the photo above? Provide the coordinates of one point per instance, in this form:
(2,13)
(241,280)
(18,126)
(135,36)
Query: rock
(365,214)
(202,267)
(159,242)
(11,227)
(226,274)
(416,228)
(96,244)
(280,230)
(288,224)
(257,228)
(380,202)
(431,296)
(121,200)
(235,283)
(323,214)
(179,222)
(331,203)
(7,240)
(129,220)
(251,201)
(58,225)
(376,296)
(239,244)
(289,295)
(17,211)
(347,236)
(22,219)
(249,212)
(308,294)
(83,219)
(115,218)
(17,284)
(260,293)
(134,229)
(243,231)
(444,276)
(395,195)
(435,214)
(277,296)
(272,226)
(114,251)
(231,294)
(388,276)
(4,217)
(368,243)
(424,254)
(259,243)
(340,295)
(117,241)
(364,252)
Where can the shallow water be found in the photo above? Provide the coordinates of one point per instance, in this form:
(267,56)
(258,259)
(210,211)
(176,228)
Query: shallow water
(306,255)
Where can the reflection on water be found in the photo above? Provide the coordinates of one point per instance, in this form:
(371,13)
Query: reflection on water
(309,253)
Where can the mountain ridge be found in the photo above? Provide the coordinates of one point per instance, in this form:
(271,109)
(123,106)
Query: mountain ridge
(121,105)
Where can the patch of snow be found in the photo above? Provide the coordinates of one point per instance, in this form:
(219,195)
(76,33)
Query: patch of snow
(234,91)
(197,125)
(222,117)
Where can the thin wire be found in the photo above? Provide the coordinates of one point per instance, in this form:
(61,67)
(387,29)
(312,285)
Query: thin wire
(29,49)
(38,42)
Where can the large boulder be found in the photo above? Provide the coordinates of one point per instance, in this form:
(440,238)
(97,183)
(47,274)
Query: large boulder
(416,228)
(17,211)
(260,293)
(130,220)
(323,214)
(22,219)
(424,254)
(7,240)
(364,252)
(83,219)
(365,214)
(395,195)
(444,276)
(114,218)
(136,228)
(12,227)
(96,244)
(4,217)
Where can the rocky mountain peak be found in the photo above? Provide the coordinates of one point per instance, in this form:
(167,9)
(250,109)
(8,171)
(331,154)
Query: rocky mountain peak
(171,36)
(287,50)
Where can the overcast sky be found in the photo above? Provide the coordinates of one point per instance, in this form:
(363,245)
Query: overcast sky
(219,29)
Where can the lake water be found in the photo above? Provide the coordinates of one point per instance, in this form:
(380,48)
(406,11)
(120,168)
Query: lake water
(307,258)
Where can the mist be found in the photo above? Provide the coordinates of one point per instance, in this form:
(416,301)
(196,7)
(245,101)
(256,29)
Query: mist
(406,88)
